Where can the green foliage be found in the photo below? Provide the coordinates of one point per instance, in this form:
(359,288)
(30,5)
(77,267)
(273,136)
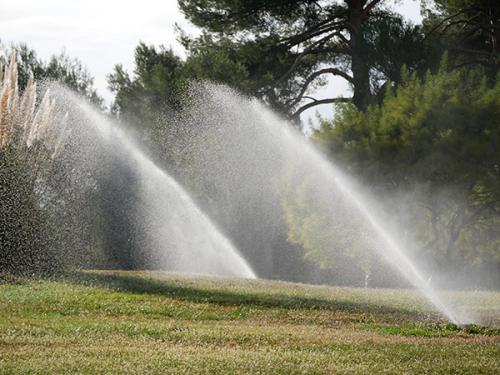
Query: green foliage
(450,116)
(438,139)
(153,90)
(320,221)
(421,137)
(469,29)
(27,236)
(60,68)
(161,79)
(233,16)
(253,66)
(289,48)
(72,74)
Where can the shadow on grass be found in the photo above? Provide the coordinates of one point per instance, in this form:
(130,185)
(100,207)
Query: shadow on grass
(140,284)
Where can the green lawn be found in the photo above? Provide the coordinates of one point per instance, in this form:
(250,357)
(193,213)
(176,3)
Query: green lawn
(132,322)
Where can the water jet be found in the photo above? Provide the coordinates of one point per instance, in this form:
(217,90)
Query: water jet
(237,145)
(163,225)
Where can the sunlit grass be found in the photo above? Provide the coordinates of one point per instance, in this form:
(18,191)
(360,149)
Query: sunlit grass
(102,322)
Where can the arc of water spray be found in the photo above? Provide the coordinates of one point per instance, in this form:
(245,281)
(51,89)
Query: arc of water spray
(221,256)
(393,251)
(405,265)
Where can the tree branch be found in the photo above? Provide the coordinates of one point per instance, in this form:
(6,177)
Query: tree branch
(309,97)
(338,50)
(312,32)
(485,23)
(315,75)
(320,102)
(306,51)
(370,6)
(444,21)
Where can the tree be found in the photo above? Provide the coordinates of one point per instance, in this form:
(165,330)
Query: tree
(331,233)
(154,88)
(60,68)
(469,29)
(432,148)
(248,66)
(299,43)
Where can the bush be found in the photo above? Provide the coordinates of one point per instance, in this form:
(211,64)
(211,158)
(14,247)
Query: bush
(31,137)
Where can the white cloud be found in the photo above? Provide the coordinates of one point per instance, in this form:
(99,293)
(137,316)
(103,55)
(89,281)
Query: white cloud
(102,33)
(99,33)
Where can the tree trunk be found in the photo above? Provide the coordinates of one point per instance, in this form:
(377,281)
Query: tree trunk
(359,67)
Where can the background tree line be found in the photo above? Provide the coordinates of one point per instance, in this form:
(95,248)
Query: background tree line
(421,117)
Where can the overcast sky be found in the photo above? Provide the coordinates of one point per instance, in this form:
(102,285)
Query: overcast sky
(102,33)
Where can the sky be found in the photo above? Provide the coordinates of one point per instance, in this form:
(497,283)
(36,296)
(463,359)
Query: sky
(103,33)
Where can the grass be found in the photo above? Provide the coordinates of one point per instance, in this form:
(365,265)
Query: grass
(133,322)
